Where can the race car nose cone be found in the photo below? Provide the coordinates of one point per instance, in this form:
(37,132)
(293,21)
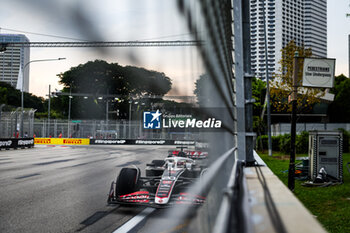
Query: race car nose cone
(161,200)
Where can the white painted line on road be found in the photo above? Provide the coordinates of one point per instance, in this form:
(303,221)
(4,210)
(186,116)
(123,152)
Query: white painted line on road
(132,223)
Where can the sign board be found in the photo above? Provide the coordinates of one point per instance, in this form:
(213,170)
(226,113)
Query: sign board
(318,72)
(141,142)
(63,141)
(86,141)
(8,143)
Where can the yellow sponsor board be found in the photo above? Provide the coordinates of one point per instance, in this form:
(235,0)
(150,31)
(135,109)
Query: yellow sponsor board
(42,140)
(62,141)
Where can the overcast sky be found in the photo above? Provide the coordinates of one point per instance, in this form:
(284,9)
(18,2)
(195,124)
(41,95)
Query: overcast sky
(122,20)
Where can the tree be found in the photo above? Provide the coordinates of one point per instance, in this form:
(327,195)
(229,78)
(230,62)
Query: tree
(146,82)
(101,78)
(282,84)
(339,110)
(202,89)
(258,93)
(12,98)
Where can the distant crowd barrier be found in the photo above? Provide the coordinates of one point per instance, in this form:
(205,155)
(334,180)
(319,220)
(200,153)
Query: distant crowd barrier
(14,143)
(86,141)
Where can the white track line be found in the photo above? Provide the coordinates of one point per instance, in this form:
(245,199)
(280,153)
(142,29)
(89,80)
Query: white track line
(132,223)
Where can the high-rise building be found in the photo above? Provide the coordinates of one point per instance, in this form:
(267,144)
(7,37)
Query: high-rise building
(304,21)
(315,26)
(12,59)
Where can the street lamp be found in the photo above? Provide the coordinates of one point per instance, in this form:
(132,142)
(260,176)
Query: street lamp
(22,98)
(69,106)
(48,111)
(130,102)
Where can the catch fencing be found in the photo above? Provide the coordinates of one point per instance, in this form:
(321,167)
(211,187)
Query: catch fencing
(17,124)
(100,129)
(284,128)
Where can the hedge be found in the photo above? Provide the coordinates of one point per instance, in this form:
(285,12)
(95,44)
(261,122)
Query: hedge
(282,142)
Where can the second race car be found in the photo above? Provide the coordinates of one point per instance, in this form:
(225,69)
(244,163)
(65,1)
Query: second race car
(164,185)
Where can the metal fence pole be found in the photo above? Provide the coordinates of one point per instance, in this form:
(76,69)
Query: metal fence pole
(239,76)
(1,131)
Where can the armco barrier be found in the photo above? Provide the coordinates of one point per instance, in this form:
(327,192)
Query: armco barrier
(86,141)
(62,141)
(141,142)
(14,143)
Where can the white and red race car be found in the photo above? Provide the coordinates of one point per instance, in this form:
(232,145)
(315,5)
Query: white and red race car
(165,184)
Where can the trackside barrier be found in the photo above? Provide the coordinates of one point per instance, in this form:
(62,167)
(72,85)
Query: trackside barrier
(86,141)
(62,141)
(146,142)
(14,143)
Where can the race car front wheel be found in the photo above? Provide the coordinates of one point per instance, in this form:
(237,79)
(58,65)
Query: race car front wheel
(128,181)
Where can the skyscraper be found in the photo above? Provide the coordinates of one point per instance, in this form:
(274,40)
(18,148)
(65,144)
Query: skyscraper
(304,21)
(12,59)
(315,25)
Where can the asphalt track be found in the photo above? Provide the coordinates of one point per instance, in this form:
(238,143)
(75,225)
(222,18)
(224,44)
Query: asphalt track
(64,189)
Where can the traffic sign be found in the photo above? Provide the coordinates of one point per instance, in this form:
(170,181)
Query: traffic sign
(318,72)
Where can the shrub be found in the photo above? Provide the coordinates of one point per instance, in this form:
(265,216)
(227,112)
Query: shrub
(346,140)
(302,143)
(262,142)
(276,142)
(284,143)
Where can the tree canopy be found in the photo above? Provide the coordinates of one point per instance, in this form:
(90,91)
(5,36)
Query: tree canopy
(102,78)
(339,110)
(11,97)
(282,84)
(258,93)
(202,89)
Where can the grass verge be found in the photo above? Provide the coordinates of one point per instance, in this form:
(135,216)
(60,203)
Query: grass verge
(331,205)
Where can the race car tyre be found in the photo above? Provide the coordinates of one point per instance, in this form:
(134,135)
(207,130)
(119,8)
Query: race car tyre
(158,162)
(128,181)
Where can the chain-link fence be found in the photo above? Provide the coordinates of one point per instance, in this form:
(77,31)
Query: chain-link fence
(17,124)
(113,129)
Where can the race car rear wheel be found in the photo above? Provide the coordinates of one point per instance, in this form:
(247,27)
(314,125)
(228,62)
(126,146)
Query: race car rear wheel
(128,181)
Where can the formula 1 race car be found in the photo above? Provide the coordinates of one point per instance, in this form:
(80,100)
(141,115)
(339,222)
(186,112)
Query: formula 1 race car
(164,185)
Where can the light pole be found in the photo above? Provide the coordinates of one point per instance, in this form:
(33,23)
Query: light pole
(1,106)
(48,111)
(69,106)
(22,99)
(291,170)
(130,102)
(268,108)
(107,112)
